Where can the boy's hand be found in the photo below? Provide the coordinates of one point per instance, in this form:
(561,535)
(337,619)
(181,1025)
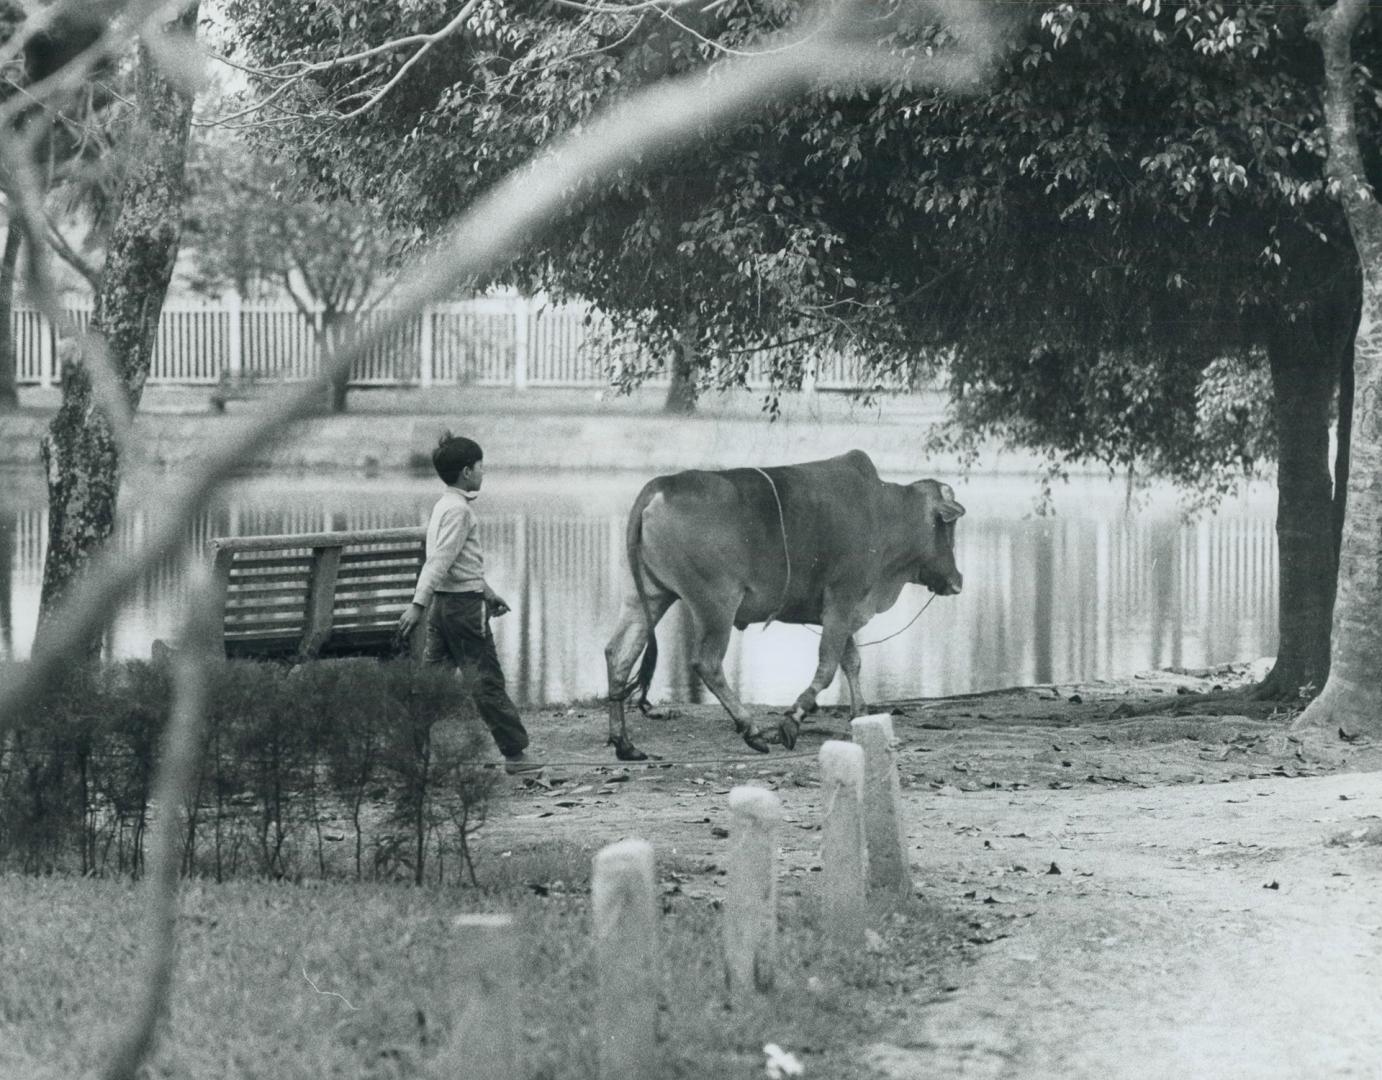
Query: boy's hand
(497,604)
(409,620)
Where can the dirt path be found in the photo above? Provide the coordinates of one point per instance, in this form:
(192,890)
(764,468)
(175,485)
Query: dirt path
(1217,910)
(1200,931)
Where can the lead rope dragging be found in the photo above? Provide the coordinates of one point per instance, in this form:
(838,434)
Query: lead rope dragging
(786,551)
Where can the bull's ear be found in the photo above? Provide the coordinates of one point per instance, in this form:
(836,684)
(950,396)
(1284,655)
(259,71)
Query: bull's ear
(949,509)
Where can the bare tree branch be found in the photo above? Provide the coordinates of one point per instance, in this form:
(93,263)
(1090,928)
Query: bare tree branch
(76,73)
(72,257)
(291,73)
(445,32)
(174,786)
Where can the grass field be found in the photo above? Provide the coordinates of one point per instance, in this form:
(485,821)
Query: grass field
(350,981)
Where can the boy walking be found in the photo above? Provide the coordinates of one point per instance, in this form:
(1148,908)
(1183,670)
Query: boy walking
(453,579)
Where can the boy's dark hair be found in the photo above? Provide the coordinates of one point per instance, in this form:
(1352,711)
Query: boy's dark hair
(454,453)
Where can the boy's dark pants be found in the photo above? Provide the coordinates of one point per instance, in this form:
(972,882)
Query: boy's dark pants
(458,633)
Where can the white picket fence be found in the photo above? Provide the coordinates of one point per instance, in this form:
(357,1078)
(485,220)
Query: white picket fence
(491,341)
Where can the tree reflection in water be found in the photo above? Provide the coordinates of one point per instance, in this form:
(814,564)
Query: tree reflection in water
(1093,593)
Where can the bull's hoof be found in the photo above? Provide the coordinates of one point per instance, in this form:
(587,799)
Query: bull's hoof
(787,731)
(756,740)
(625,750)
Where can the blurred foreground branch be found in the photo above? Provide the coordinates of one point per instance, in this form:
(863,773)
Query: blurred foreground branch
(174,788)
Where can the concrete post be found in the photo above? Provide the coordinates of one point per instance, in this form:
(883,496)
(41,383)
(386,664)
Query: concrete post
(844,854)
(750,921)
(884,830)
(625,925)
(484,1042)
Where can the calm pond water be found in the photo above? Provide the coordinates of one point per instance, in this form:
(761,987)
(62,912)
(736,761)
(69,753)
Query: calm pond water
(1093,592)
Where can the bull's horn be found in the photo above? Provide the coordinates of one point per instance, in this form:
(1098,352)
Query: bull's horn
(950,510)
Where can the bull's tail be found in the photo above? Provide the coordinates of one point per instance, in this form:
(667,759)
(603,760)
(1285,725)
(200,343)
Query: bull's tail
(633,540)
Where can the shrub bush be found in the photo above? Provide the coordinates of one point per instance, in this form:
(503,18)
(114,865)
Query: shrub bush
(297,759)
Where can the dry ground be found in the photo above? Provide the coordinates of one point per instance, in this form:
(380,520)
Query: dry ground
(1155,896)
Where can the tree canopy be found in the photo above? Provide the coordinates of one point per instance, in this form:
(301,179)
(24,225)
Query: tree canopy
(1078,244)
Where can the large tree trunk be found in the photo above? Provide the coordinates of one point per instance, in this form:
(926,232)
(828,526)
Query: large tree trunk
(1343,461)
(9,382)
(681,395)
(1303,379)
(79,450)
(1351,701)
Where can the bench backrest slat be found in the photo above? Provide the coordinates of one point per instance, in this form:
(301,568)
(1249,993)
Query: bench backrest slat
(303,593)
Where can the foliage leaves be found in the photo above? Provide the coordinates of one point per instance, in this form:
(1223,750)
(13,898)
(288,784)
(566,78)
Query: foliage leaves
(1136,195)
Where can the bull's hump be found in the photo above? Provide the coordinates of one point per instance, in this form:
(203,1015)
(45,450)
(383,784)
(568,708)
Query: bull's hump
(857,459)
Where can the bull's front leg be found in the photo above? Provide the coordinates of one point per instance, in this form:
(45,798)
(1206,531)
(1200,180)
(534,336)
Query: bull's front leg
(835,631)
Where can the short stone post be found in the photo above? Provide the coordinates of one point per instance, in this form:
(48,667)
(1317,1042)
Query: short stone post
(844,855)
(484,1042)
(750,921)
(884,829)
(626,970)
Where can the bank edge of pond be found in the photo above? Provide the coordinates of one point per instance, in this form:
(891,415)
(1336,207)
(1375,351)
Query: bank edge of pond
(365,442)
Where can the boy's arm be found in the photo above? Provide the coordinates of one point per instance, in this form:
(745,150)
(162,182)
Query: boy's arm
(497,604)
(451,533)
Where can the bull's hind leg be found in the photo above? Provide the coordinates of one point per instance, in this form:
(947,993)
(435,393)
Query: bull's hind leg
(850,664)
(711,624)
(631,637)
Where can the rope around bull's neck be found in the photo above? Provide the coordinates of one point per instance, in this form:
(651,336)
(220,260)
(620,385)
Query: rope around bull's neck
(787,558)
(786,550)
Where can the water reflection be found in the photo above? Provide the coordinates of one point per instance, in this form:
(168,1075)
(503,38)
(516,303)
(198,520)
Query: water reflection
(1092,593)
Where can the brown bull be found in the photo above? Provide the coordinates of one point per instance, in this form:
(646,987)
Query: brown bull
(825,542)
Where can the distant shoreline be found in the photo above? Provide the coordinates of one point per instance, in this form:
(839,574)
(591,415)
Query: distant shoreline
(393,431)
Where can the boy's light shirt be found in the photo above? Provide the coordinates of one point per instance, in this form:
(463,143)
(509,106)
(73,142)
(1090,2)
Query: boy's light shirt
(455,561)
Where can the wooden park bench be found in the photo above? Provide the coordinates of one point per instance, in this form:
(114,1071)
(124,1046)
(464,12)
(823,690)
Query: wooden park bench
(316,594)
